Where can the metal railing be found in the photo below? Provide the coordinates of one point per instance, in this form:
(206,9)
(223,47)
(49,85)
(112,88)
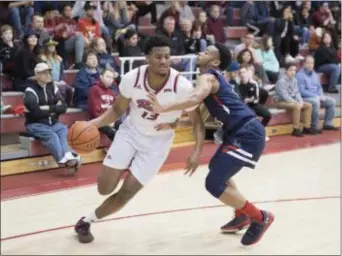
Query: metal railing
(189,74)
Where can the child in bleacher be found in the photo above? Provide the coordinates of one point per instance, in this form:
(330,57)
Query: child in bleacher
(8,49)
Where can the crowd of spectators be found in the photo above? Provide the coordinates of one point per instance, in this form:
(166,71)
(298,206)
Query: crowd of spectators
(82,35)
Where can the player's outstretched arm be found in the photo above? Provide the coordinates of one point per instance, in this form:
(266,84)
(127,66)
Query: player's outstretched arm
(199,131)
(203,89)
(112,114)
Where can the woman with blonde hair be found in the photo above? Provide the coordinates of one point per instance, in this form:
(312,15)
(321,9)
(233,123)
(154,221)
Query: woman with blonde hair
(55,62)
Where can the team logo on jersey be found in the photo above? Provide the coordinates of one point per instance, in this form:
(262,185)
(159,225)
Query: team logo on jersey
(145,104)
(167,90)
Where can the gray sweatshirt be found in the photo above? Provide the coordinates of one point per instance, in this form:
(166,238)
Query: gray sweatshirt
(286,89)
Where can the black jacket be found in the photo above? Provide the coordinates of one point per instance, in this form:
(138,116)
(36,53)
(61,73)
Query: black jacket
(325,55)
(249,90)
(36,96)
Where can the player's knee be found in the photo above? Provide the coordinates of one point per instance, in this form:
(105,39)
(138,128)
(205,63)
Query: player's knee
(107,181)
(214,185)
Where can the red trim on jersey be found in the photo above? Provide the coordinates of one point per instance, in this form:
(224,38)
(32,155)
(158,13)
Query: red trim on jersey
(217,99)
(175,83)
(163,85)
(137,80)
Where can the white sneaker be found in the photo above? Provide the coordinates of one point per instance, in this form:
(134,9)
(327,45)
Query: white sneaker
(217,138)
(300,57)
(267,138)
(269,87)
(290,59)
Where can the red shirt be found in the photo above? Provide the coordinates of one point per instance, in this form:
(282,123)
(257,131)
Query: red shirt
(99,99)
(88,28)
(70,26)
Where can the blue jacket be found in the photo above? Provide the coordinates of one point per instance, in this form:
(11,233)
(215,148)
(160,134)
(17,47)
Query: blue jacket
(106,60)
(84,80)
(309,83)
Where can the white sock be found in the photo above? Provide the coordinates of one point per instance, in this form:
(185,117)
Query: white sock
(91,218)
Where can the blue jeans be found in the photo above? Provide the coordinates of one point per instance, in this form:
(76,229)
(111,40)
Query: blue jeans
(333,71)
(329,105)
(15,17)
(188,65)
(53,138)
(303,33)
(203,45)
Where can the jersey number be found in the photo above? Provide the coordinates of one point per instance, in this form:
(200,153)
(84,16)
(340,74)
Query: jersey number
(149,116)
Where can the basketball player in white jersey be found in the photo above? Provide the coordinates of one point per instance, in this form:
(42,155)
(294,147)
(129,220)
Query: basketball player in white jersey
(143,141)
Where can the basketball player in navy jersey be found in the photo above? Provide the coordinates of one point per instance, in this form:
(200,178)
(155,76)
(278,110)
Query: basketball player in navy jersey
(243,142)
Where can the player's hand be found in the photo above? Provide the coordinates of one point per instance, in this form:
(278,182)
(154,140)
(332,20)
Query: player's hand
(156,107)
(192,164)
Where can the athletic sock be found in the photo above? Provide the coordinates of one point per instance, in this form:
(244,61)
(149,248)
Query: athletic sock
(91,218)
(252,212)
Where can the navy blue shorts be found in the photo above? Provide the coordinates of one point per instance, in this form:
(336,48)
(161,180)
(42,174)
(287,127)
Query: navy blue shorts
(241,149)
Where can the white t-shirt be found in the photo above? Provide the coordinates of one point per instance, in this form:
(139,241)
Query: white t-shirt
(134,86)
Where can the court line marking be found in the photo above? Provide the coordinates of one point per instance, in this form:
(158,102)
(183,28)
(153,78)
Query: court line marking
(167,212)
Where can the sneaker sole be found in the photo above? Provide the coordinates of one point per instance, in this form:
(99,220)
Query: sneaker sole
(237,229)
(262,234)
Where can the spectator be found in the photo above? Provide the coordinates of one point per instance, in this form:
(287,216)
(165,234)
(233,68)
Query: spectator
(287,96)
(248,43)
(118,19)
(15,10)
(245,58)
(37,27)
(51,15)
(315,39)
(185,11)
(257,18)
(326,62)
(172,11)
(303,24)
(105,60)
(197,35)
(44,104)
(286,43)
(192,40)
(250,94)
(232,76)
(145,7)
(177,46)
(311,91)
(323,18)
(102,97)
(202,21)
(89,27)
(215,25)
(25,61)
(55,62)
(70,39)
(131,49)
(86,78)
(269,60)
(8,49)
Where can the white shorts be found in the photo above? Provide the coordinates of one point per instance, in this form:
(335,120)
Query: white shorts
(143,155)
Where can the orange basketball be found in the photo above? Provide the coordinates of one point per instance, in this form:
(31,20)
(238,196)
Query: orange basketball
(83,137)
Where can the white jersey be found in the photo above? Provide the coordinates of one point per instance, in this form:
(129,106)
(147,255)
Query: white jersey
(134,85)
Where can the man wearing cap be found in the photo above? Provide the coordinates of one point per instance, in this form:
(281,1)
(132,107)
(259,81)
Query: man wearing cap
(43,105)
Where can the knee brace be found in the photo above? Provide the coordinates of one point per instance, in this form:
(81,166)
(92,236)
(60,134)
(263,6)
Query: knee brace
(215,185)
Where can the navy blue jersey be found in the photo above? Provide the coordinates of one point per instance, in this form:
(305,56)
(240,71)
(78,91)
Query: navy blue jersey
(226,105)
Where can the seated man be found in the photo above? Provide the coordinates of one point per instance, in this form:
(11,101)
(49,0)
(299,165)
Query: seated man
(287,96)
(44,104)
(101,97)
(311,91)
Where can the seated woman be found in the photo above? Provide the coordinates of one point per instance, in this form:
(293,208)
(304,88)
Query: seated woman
(25,62)
(269,60)
(55,62)
(326,62)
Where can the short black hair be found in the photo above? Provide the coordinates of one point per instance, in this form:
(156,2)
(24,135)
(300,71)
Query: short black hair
(129,33)
(290,64)
(156,41)
(225,56)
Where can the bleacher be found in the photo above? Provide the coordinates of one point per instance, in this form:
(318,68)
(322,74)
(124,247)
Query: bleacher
(21,153)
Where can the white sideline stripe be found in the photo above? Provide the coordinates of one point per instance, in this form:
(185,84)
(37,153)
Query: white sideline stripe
(241,157)
(243,152)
